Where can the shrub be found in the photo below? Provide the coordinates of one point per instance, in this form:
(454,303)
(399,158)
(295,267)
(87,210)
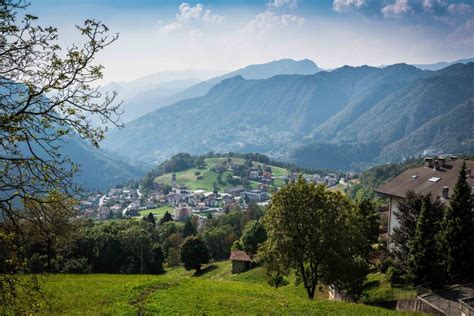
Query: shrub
(76,265)
(384,263)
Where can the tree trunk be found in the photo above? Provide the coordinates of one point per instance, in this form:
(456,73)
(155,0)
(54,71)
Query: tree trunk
(309,285)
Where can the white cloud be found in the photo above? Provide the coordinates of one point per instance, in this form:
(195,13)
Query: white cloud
(343,5)
(208,17)
(268,20)
(191,18)
(460,9)
(464,33)
(187,12)
(398,8)
(288,19)
(174,26)
(432,5)
(195,34)
(292,4)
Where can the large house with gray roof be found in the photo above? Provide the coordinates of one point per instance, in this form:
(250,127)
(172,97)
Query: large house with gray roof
(437,176)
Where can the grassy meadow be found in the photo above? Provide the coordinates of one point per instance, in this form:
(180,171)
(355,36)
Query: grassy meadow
(189,178)
(214,292)
(158,212)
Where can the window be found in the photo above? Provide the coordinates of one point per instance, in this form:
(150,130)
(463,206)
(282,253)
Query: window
(434,179)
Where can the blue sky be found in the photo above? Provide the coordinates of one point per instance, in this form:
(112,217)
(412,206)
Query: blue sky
(165,35)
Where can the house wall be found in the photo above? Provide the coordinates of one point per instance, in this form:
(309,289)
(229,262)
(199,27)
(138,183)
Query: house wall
(393,207)
(239,266)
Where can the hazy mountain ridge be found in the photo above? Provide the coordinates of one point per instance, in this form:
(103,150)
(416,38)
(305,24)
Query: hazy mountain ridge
(98,169)
(145,94)
(258,71)
(432,112)
(443,64)
(355,110)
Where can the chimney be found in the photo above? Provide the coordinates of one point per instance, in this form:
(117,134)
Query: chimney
(445,193)
(428,162)
(442,161)
(436,164)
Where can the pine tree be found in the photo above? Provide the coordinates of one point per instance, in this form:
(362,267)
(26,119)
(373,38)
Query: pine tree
(456,240)
(151,219)
(166,218)
(424,257)
(189,229)
(407,216)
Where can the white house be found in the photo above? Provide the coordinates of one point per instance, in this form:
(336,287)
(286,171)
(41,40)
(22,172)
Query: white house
(437,176)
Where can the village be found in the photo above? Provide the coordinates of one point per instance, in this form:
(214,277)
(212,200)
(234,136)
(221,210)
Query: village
(183,202)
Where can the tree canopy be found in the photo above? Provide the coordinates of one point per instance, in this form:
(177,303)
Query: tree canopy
(317,233)
(46,95)
(194,253)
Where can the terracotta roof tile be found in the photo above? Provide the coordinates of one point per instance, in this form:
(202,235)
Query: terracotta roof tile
(240,256)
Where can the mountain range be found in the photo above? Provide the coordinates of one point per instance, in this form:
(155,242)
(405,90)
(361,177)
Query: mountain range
(346,118)
(142,95)
(98,169)
(152,92)
(443,64)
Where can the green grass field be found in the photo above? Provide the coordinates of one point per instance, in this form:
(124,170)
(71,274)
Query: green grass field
(158,212)
(209,177)
(378,288)
(214,292)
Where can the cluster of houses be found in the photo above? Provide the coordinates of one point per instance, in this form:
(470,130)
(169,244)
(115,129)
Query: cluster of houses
(188,202)
(121,201)
(125,202)
(331,179)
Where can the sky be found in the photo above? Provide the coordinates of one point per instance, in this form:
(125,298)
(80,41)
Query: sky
(159,35)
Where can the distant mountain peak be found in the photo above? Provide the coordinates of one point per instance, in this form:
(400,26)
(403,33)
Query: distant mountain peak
(443,64)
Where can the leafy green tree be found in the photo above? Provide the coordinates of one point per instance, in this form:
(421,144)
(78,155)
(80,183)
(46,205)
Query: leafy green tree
(253,236)
(370,218)
(194,253)
(179,162)
(189,229)
(237,245)
(47,94)
(173,259)
(173,241)
(253,212)
(317,233)
(457,236)
(219,241)
(166,218)
(424,256)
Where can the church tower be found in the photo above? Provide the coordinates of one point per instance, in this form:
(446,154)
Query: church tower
(173,180)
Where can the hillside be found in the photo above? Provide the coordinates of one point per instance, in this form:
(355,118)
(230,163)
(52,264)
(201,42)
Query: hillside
(259,71)
(348,118)
(242,115)
(210,177)
(141,95)
(214,292)
(98,169)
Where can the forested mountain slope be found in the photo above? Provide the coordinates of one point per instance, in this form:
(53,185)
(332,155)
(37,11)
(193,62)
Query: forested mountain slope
(346,118)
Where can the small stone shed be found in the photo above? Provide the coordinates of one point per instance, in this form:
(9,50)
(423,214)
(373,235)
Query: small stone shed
(241,261)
